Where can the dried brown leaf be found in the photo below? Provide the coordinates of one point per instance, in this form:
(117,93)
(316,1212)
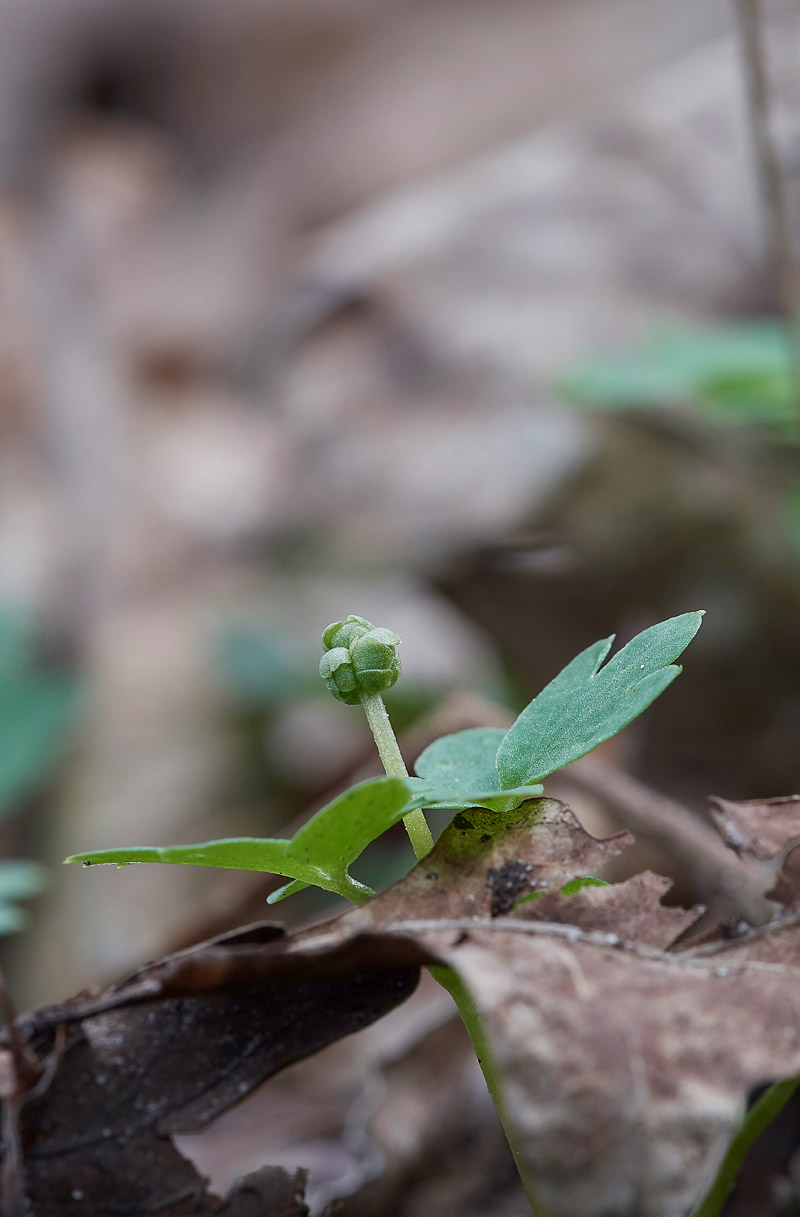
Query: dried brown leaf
(760,827)
(625,1070)
(633,909)
(769,830)
(165,1053)
(476,870)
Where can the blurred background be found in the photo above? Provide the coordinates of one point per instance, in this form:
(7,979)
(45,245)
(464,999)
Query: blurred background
(456,314)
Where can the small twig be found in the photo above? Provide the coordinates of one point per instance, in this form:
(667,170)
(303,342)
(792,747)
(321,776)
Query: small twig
(694,845)
(779,240)
(720,946)
(26,1065)
(23,1078)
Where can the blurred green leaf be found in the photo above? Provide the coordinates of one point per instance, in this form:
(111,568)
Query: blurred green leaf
(16,645)
(320,853)
(259,666)
(587,704)
(738,373)
(18,880)
(12,919)
(36,711)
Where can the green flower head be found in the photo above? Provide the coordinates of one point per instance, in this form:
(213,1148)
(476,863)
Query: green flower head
(359,658)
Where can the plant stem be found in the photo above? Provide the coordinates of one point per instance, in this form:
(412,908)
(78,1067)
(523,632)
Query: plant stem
(415,823)
(452,982)
(779,240)
(757,1119)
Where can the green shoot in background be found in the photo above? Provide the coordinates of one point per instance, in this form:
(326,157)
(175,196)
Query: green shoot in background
(37,710)
(732,375)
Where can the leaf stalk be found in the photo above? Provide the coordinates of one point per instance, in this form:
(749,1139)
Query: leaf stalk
(389,751)
(757,1119)
(454,985)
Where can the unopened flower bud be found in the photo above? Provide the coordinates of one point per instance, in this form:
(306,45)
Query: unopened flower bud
(359,658)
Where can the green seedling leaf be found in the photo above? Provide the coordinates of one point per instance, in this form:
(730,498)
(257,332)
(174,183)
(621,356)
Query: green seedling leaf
(35,715)
(36,711)
(464,761)
(586,704)
(12,919)
(569,889)
(261,667)
(736,374)
(680,365)
(577,885)
(18,880)
(437,798)
(459,771)
(757,1120)
(320,853)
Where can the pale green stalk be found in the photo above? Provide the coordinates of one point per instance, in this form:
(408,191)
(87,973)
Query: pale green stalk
(757,1119)
(422,842)
(415,823)
(452,982)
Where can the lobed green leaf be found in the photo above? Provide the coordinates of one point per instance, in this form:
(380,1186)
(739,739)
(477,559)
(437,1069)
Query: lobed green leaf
(320,853)
(586,704)
(459,771)
(464,761)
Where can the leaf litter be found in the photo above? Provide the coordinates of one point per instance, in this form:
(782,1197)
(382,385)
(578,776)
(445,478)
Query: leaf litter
(626,1061)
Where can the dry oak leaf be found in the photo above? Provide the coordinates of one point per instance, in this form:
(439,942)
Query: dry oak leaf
(625,1068)
(479,870)
(768,829)
(163,1053)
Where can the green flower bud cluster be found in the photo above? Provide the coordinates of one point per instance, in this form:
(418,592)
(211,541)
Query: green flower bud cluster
(359,658)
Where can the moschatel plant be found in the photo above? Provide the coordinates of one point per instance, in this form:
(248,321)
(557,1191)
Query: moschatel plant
(586,704)
(484,767)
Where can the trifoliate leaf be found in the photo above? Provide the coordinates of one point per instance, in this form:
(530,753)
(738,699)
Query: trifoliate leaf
(320,853)
(587,704)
